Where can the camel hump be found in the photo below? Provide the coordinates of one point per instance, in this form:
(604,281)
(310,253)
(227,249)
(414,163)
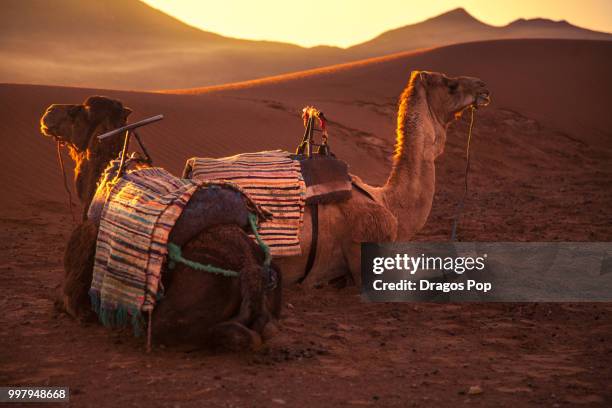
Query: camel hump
(209,207)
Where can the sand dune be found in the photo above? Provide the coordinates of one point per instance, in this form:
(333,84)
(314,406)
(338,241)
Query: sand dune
(538,78)
(544,143)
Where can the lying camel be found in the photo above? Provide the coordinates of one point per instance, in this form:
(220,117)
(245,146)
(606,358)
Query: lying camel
(397,210)
(198,307)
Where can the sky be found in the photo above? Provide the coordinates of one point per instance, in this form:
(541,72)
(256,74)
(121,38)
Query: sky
(348,22)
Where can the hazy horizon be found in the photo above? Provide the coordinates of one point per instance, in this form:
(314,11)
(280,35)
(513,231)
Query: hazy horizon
(342,23)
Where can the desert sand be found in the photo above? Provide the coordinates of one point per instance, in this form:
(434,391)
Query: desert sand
(541,171)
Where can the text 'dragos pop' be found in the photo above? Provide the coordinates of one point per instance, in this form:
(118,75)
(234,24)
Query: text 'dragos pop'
(481,272)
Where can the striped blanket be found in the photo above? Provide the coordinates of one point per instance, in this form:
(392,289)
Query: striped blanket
(273,180)
(140,210)
(139,214)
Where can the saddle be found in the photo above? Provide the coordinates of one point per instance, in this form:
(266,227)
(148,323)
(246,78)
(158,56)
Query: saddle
(326,178)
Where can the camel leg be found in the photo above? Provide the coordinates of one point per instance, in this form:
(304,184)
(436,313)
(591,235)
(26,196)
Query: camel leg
(244,330)
(200,307)
(259,305)
(374,223)
(352,257)
(78,267)
(233,336)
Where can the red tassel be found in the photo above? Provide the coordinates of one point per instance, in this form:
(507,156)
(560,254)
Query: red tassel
(305,115)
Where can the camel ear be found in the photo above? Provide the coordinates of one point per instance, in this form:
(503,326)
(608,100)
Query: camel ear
(424,76)
(126,112)
(75,110)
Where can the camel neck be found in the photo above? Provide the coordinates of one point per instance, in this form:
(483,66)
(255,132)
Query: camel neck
(89,166)
(409,190)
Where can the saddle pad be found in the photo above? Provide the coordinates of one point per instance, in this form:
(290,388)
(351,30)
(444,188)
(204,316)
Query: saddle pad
(273,181)
(327,179)
(141,210)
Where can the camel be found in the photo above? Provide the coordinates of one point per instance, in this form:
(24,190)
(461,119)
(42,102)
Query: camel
(198,308)
(397,210)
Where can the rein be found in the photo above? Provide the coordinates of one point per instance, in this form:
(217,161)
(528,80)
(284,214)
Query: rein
(467,171)
(63,170)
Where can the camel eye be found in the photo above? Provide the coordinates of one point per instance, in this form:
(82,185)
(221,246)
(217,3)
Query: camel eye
(453,86)
(73,112)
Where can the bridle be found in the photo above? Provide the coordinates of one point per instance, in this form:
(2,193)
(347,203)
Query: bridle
(128,130)
(60,160)
(60,143)
(461,204)
(472,108)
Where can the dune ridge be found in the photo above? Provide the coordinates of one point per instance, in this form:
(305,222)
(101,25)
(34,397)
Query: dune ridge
(537,77)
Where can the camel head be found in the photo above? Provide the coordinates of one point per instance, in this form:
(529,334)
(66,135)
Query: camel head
(448,97)
(76,125)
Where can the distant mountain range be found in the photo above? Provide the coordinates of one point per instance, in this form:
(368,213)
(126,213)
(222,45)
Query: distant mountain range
(458,26)
(126,44)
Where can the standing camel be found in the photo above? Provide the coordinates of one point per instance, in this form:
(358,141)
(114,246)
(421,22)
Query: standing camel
(399,208)
(198,307)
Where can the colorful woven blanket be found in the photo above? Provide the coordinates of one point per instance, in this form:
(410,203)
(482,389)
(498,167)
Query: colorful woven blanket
(139,214)
(273,181)
(139,211)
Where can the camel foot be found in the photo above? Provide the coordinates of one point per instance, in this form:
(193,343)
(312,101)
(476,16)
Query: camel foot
(58,304)
(63,304)
(270,330)
(233,336)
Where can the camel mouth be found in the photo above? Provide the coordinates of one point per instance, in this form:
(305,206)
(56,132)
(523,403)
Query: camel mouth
(47,131)
(51,132)
(483,99)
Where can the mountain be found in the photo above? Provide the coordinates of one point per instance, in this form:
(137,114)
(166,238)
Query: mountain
(457,26)
(126,44)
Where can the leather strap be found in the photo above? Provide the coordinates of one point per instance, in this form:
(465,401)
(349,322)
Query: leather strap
(314,216)
(312,254)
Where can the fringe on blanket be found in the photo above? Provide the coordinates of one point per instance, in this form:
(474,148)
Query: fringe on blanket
(118,317)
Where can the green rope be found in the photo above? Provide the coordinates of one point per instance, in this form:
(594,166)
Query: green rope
(264,247)
(175,255)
